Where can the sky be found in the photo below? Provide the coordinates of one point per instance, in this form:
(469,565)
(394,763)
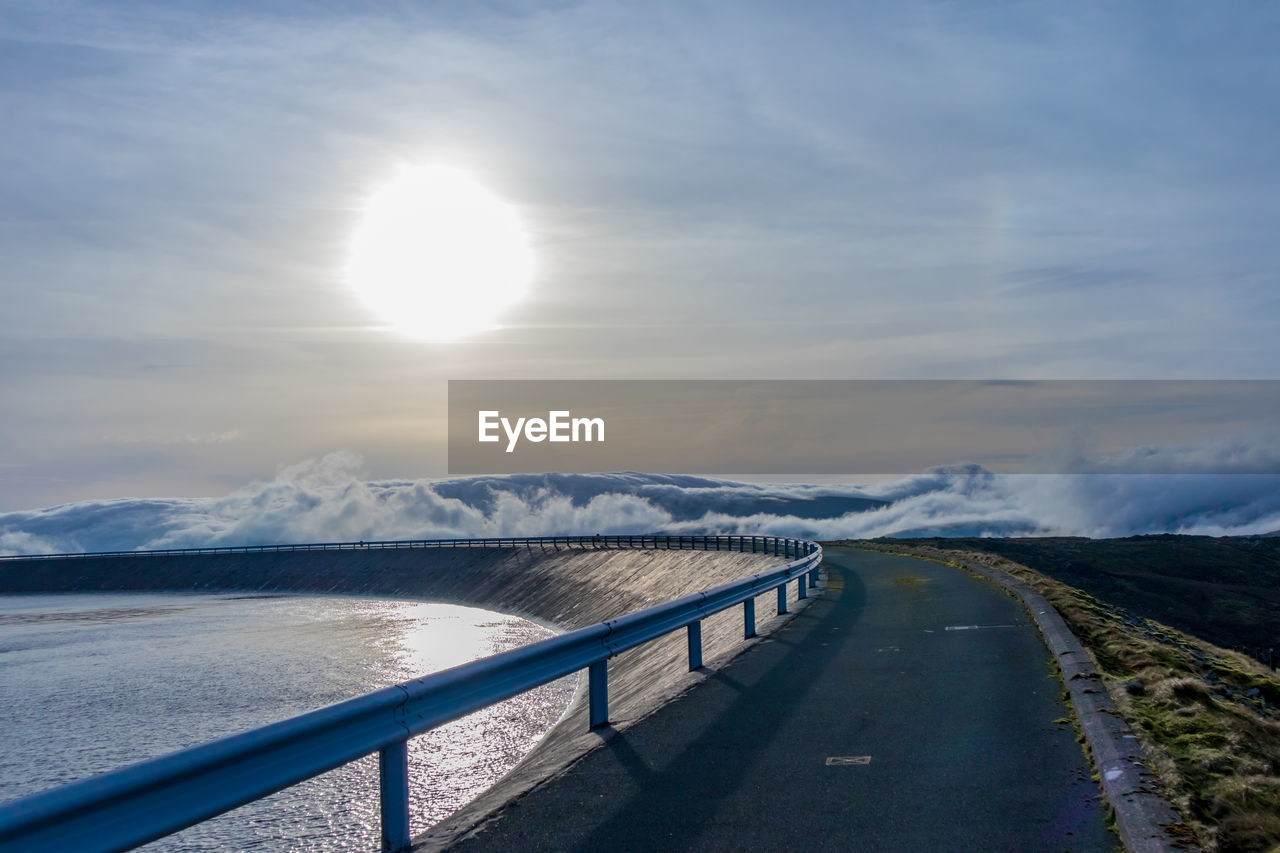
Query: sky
(866,190)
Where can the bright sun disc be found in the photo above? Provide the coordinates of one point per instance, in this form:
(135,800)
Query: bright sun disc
(437,256)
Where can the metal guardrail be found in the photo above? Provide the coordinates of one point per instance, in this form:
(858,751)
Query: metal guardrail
(707,543)
(125,808)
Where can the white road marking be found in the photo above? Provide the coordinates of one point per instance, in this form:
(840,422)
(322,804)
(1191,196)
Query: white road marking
(845,760)
(976,627)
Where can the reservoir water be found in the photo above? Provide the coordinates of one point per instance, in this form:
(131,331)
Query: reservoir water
(92,682)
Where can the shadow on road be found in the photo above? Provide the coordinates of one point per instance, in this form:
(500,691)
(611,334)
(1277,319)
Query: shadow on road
(689,757)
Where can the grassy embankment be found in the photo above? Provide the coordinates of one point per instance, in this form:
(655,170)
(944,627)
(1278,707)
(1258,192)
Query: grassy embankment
(1209,718)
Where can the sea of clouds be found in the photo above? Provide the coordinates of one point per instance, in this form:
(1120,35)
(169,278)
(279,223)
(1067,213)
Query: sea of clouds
(327,500)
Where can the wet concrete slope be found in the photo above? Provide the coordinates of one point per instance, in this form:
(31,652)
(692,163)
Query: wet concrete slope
(569,588)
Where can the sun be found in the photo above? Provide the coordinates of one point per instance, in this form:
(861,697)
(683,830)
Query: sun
(437,256)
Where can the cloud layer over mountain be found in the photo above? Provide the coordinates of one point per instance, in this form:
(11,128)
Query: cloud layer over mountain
(326,500)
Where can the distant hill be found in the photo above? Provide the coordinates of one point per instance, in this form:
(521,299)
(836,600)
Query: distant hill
(1225,590)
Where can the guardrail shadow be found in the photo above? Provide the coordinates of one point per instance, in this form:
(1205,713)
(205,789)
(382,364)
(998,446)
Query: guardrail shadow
(687,758)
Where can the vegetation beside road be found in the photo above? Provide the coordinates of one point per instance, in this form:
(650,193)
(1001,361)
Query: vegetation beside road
(1223,589)
(1208,717)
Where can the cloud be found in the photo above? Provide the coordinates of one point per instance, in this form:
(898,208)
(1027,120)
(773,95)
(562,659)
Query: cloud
(326,499)
(19,542)
(179,179)
(969,501)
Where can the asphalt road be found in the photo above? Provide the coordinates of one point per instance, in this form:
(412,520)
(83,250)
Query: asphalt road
(912,707)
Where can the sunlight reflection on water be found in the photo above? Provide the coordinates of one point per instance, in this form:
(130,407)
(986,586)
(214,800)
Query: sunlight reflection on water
(104,680)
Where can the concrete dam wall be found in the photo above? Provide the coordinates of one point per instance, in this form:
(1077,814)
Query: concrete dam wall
(567,588)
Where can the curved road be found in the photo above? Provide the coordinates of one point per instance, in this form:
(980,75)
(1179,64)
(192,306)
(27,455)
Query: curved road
(911,707)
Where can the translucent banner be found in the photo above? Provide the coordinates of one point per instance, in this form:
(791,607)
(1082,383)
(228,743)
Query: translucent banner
(864,427)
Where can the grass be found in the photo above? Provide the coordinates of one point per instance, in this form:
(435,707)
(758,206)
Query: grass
(1208,718)
(1222,589)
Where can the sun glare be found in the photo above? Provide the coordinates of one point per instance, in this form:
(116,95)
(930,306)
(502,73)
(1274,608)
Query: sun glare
(437,256)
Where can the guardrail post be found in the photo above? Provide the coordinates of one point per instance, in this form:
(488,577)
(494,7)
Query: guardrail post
(803,590)
(748,618)
(598,693)
(393,778)
(782,599)
(695,645)
(813,577)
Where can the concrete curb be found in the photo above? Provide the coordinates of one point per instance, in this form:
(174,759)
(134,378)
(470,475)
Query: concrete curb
(1143,816)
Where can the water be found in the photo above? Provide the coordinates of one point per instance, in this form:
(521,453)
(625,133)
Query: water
(93,682)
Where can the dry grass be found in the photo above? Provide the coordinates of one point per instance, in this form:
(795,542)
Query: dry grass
(1208,718)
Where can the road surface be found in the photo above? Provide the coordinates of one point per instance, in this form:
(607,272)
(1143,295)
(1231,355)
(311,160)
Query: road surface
(911,707)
